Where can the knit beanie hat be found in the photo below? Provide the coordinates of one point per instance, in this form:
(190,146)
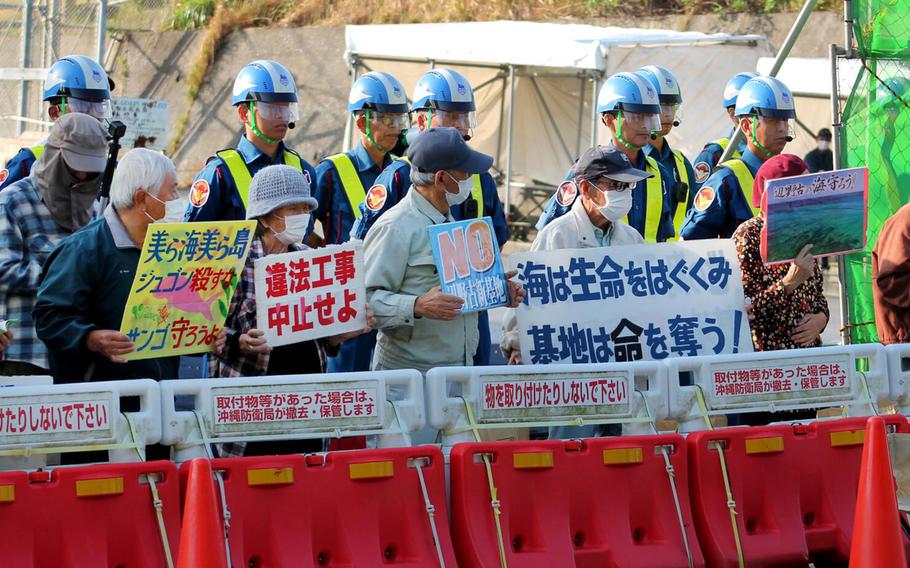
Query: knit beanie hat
(276,186)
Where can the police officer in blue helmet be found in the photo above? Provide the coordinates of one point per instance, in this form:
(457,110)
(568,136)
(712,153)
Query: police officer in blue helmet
(74,83)
(379,107)
(629,107)
(673,161)
(442,98)
(766,116)
(707,160)
(265,96)
(380,112)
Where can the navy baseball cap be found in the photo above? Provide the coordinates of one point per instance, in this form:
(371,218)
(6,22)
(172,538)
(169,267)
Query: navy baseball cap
(438,149)
(607,161)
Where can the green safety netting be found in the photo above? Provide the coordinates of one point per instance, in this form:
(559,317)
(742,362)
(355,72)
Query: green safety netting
(875,134)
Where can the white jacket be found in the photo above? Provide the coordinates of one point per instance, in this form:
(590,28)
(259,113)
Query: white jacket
(571,231)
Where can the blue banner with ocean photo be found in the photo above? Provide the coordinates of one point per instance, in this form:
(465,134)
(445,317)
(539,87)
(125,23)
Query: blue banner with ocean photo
(826,209)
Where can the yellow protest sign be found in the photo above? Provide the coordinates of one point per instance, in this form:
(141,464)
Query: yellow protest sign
(186,276)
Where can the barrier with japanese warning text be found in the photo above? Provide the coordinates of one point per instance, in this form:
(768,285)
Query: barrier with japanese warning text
(460,399)
(310,294)
(629,303)
(292,407)
(77,417)
(779,380)
(180,296)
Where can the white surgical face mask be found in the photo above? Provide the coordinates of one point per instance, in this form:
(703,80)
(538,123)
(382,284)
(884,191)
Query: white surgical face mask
(464,189)
(295,227)
(823,145)
(174,210)
(617,206)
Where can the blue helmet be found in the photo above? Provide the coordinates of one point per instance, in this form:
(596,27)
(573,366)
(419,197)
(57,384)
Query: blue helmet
(264,80)
(628,91)
(79,77)
(443,89)
(667,86)
(733,86)
(765,96)
(378,91)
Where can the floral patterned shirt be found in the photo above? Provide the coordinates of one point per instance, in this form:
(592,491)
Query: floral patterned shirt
(776,312)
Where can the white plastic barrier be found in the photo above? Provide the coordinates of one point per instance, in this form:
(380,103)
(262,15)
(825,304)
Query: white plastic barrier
(778,380)
(632,394)
(898,356)
(46,419)
(381,403)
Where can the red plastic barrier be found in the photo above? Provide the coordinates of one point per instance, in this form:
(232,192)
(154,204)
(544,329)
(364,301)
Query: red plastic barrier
(795,490)
(344,509)
(602,502)
(99,515)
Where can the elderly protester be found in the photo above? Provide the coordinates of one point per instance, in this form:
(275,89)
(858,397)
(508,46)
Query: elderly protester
(87,278)
(38,212)
(604,179)
(420,327)
(281,205)
(788,301)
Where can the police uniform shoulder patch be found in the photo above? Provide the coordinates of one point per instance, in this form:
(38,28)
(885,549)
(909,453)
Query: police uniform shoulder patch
(704,198)
(306,174)
(4,173)
(376,197)
(566,193)
(702,171)
(199,193)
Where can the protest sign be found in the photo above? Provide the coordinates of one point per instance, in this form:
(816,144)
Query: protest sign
(628,303)
(826,209)
(146,122)
(310,293)
(469,265)
(186,276)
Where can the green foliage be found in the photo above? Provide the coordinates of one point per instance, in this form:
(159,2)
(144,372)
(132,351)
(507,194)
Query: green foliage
(192,14)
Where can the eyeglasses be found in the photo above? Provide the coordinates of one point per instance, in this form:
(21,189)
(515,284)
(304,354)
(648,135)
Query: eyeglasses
(613,185)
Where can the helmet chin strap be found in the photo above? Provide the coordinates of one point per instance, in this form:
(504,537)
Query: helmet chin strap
(255,128)
(369,135)
(755,141)
(619,135)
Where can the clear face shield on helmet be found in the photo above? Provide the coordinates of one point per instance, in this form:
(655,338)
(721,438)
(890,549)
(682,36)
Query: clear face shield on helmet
(97,109)
(640,120)
(281,112)
(391,120)
(463,121)
(670,114)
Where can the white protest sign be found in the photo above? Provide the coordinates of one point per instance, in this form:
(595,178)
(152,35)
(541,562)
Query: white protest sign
(310,294)
(628,303)
(146,122)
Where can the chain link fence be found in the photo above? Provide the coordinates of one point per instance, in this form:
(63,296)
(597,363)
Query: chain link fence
(35,33)
(875,118)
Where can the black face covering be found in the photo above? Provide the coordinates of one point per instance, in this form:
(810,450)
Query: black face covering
(69,199)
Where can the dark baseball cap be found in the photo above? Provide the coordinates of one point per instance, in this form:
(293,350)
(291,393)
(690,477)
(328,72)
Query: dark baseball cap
(438,149)
(607,161)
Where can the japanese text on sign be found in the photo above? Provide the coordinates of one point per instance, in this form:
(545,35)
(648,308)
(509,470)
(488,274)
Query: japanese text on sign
(180,295)
(798,379)
(554,393)
(838,181)
(146,122)
(632,302)
(469,265)
(311,293)
(303,405)
(54,417)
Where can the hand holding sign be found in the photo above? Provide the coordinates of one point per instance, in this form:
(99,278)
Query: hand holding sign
(254,341)
(112,344)
(801,269)
(438,305)
(516,290)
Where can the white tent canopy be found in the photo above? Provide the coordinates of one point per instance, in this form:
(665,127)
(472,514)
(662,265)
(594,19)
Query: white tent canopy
(535,83)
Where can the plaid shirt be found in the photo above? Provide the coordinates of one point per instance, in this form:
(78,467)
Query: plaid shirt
(28,234)
(230,361)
